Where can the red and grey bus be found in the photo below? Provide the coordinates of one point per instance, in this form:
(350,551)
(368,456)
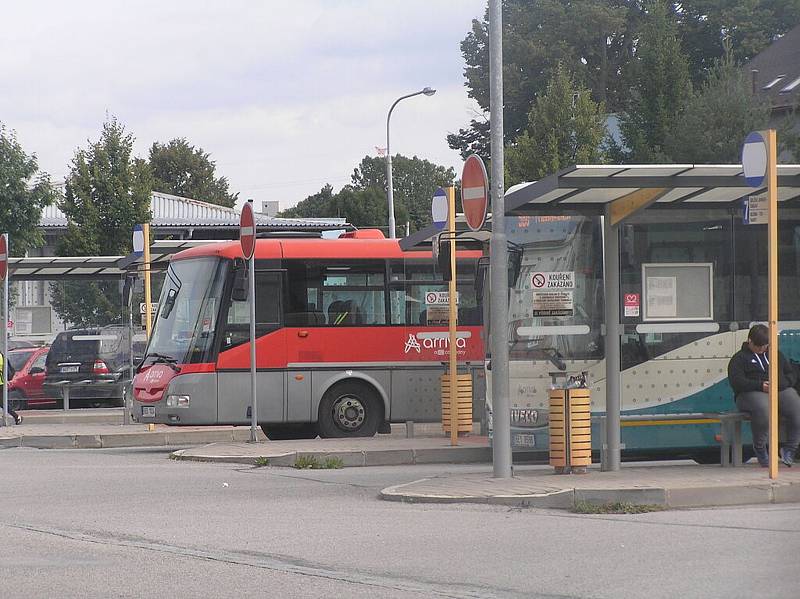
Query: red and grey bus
(350,336)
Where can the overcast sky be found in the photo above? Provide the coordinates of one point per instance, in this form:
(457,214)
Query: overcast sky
(286,96)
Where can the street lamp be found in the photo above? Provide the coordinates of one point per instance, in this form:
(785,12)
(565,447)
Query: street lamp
(428,92)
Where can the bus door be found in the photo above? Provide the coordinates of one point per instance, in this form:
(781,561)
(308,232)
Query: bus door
(234,359)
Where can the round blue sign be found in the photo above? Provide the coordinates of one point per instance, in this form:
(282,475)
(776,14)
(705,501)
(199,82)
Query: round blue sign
(754,159)
(439,208)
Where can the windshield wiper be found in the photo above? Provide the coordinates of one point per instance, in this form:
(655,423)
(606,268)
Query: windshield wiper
(162,359)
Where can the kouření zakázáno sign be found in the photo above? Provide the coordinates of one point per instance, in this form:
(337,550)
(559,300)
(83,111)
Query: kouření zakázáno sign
(552,293)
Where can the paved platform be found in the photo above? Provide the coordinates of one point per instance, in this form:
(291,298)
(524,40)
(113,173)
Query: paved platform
(382,450)
(663,484)
(80,435)
(666,485)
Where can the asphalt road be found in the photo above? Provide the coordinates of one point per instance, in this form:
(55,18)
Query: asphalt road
(132,523)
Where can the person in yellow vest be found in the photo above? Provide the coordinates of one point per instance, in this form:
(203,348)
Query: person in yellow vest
(10,373)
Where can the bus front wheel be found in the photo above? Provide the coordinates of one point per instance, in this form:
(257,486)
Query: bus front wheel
(350,409)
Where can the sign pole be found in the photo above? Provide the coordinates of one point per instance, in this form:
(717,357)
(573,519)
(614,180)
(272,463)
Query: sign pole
(772,198)
(253,394)
(498,260)
(148,298)
(453,320)
(247,239)
(4,258)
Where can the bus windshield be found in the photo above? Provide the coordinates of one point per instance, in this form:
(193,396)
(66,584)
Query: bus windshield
(188,312)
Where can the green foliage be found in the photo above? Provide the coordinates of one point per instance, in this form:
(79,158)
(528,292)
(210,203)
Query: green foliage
(261,461)
(749,26)
(24,192)
(619,507)
(107,193)
(660,86)
(183,170)
(311,462)
(591,38)
(333,463)
(307,462)
(414,181)
(565,127)
(717,118)
(364,204)
(610,47)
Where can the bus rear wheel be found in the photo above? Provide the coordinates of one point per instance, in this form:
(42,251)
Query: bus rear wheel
(350,409)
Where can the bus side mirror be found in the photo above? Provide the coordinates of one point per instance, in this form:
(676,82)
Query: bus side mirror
(514,265)
(169,303)
(443,260)
(481,272)
(240,286)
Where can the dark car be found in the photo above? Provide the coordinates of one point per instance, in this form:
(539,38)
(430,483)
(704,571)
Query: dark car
(25,390)
(93,363)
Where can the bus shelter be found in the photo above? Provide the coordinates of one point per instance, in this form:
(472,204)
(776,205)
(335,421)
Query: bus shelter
(76,269)
(618,193)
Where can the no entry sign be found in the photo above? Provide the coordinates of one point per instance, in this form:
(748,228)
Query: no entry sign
(3,257)
(247,231)
(474,192)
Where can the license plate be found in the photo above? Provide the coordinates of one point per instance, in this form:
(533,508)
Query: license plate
(522,440)
(70,368)
(148,411)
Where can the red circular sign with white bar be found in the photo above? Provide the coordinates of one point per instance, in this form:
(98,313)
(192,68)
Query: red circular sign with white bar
(474,192)
(247,231)
(3,258)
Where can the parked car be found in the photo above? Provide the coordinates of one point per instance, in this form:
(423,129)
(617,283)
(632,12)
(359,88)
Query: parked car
(25,389)
(93,363)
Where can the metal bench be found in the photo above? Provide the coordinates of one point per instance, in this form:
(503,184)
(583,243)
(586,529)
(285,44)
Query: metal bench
(730,430)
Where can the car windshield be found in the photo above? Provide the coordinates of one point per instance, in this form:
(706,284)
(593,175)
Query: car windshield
(188,309)
(18,358)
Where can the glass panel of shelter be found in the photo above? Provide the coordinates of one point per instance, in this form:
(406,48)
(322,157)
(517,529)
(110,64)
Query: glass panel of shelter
(739,255)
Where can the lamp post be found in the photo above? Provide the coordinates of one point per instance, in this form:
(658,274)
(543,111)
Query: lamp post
(428,92)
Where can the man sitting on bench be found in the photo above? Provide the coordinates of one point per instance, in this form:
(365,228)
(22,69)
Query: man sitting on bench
(748,374)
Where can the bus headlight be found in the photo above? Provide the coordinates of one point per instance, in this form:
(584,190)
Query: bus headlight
(177,401)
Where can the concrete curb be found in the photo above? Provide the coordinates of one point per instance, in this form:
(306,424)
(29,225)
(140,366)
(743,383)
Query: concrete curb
(125,439)
(665,497)
(355,458)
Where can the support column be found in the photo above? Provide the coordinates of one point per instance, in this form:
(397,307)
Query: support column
(612,343)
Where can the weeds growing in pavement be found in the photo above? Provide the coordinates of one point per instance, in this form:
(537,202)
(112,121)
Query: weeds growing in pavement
(307,462)
(311,462)
(618,507)
(261,461)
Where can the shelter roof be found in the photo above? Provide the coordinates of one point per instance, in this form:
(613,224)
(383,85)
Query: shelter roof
(588,188)
(93,267)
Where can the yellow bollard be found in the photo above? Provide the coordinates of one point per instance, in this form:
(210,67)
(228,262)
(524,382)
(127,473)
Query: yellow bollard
(464,398)
(570,430)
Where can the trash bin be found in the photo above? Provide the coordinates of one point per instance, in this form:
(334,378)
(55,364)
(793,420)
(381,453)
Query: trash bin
(464,399)
(570,425)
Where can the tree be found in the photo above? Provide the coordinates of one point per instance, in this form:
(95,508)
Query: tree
(361,207)
(107,193)
(364,203)
(565,127)
(749,27)
(660,86)
(414,181)
(717,118)
(593,39)
(183,170)
(24,192)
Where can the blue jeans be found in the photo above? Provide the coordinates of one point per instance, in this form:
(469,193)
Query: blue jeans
(756,403)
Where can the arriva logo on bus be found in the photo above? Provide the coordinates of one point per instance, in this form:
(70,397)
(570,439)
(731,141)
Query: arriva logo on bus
(430,342)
